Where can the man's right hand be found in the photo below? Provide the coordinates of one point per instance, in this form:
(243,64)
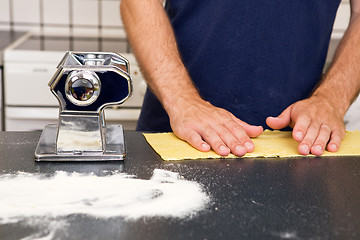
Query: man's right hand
(205,126)
(192,119)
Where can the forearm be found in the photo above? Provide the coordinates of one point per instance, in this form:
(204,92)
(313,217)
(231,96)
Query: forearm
(153,42)
(341,84)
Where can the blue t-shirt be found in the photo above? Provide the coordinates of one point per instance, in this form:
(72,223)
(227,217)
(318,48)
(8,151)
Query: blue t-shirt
(253,58)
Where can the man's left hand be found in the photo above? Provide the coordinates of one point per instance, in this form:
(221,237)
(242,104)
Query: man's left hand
(316,125)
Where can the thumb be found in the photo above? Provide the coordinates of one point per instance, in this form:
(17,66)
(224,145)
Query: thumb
(251,130)
(281,121)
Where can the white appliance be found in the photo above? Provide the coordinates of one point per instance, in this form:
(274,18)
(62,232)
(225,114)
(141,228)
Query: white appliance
(30,63)
(1,99)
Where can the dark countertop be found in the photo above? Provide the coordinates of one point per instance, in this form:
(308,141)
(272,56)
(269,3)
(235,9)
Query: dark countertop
(300,198)
(7,38)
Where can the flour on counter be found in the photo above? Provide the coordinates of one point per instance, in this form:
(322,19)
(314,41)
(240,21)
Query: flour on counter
(27,195)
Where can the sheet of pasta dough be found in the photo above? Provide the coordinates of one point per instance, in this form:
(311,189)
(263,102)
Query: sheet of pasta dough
(268,144)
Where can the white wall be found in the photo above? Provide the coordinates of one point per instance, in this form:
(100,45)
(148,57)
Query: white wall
(76,17)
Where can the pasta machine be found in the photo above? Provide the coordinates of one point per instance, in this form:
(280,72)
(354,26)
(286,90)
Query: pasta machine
(84,84)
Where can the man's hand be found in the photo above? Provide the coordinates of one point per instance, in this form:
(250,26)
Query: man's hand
(316,123)
(205,126)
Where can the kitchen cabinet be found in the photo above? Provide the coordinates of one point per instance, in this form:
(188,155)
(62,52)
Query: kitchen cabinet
(1,100)
(6,39)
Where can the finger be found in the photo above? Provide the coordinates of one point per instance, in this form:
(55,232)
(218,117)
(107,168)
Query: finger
(281,121)
(251,130)
(309,139)
(301,127)
(236,147)
(335,140)
(195,140)
(241,136)
(216,143)
(321,140)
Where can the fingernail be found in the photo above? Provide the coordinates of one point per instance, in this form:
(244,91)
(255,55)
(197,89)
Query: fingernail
(317,148)
(299,135)
(204,145)
(248,145)
(305,148)
(240,149)
(332,147)
(223,148)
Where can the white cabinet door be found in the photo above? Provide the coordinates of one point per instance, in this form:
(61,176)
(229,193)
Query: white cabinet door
(27,84)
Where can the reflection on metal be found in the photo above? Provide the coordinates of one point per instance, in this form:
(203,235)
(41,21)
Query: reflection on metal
(82,88)
(84,84)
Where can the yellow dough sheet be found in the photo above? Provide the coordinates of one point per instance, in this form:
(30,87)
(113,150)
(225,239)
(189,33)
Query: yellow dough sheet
(268,144)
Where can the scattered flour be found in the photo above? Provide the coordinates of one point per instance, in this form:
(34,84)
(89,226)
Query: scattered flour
(32,197)
(165,194)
